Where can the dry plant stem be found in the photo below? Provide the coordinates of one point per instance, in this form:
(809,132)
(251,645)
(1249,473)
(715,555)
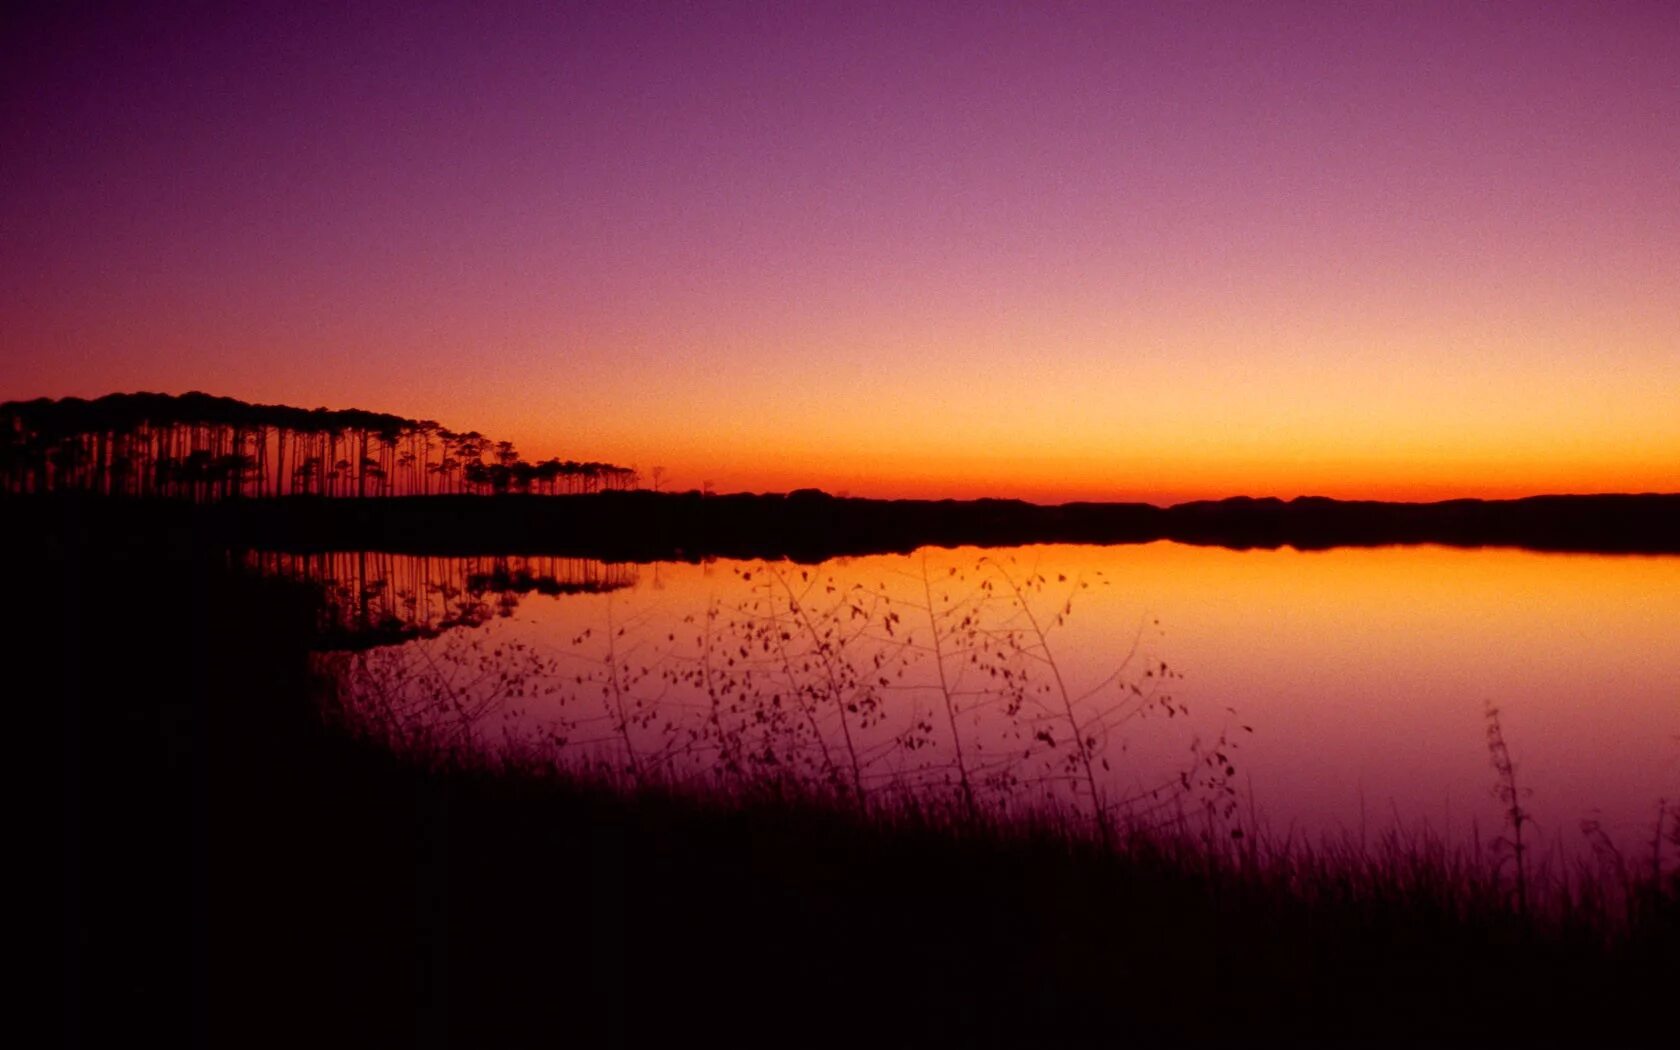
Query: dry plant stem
(1507,793)
(1097,808)
(825,650)
(463,729)
(945,689)
(775,729)
(793,685)
(728,750)
(618,695)
(1657,843)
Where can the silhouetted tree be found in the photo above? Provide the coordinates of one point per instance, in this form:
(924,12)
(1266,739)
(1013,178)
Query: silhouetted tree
(198,447)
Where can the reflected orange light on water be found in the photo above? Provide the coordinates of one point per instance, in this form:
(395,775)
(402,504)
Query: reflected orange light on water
(1365,673)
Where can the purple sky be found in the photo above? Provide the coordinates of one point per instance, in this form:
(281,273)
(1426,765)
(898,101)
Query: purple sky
(1047,250)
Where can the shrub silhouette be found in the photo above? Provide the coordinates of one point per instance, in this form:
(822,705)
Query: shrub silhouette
(944,691)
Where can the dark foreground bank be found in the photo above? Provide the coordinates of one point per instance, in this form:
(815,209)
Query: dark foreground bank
(236,871)
(809,525)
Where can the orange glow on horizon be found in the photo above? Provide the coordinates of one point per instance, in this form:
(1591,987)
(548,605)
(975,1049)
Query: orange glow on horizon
(1112,253)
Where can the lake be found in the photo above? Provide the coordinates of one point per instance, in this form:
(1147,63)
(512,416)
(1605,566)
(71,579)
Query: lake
(1329,693)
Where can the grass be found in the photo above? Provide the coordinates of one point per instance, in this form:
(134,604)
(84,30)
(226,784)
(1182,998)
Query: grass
(238,871)
(947,689)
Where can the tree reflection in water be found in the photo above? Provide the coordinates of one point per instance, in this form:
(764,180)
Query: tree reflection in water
(939,689)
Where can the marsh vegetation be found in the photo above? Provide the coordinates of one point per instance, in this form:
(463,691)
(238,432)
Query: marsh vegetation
(946,693)
(534,790)
(391,884)
(943,695)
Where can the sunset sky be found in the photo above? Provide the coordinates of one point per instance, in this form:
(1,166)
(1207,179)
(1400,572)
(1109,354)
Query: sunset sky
(1082,251)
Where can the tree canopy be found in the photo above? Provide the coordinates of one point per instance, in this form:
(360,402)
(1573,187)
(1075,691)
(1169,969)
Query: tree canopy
(200,446)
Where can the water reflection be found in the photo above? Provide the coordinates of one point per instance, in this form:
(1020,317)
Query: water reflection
(940,683)
(1365,674)
(375,598)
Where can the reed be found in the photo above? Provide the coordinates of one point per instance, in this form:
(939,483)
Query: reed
(789,695)
(950,688)
(267,878)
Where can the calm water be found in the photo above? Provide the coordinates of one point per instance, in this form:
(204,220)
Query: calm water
(1316,692)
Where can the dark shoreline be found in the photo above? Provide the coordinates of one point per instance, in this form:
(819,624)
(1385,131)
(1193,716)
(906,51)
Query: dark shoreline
(810,526)
(235,867)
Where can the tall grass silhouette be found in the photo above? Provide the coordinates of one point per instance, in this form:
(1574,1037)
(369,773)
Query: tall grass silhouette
(941,689)
(1510,796)
(452,871)
(941,697)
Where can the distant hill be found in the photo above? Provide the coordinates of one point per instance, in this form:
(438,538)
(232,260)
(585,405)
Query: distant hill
(811,526)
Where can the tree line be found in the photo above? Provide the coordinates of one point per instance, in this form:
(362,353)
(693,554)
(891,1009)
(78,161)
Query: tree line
(200,447)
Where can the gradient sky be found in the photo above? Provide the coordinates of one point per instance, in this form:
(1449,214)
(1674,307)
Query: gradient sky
(1124,251)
